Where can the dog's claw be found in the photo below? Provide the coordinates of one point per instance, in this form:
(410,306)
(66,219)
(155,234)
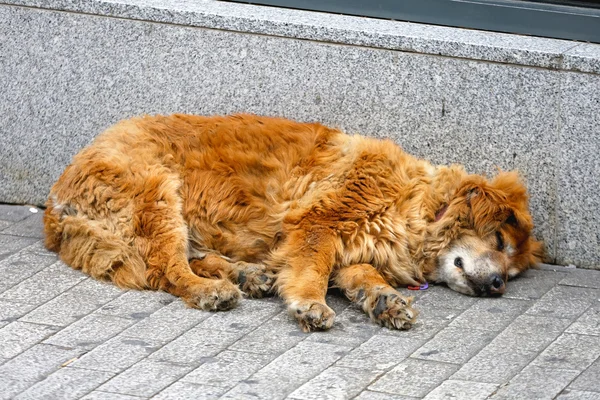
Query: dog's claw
(312,316)
(388,308)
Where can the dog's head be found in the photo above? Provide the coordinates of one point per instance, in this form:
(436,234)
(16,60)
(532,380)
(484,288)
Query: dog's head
(484,235)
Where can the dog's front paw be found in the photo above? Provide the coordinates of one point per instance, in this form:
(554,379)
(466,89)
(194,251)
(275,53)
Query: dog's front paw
(254,279)
(389,308)
(220,295)
(312,316)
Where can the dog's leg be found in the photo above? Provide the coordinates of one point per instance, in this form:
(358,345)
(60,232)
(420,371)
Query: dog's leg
(306,261)
(254,279)
(365,286)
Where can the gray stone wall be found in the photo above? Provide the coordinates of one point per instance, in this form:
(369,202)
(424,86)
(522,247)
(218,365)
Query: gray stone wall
(64,77)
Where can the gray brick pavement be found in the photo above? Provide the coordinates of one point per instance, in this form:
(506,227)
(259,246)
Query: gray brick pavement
(65,336)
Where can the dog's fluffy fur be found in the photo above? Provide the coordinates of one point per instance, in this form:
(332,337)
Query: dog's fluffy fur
(199,205)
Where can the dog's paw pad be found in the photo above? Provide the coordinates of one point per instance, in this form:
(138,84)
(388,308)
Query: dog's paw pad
(254,279)
(223,296)
(312,316)
(391,310)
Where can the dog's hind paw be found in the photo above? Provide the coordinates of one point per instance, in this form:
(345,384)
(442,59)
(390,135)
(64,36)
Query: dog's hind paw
(390,309)
(312,316)
(254,279)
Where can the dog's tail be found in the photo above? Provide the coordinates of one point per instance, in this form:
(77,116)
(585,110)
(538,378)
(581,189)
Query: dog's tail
(90,246)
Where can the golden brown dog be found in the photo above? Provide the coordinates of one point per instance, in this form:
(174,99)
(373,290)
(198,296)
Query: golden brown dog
(198,205)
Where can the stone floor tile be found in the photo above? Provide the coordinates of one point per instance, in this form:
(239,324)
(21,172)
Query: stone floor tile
(73,304)
(413,377)
(187,390)
(454,345)
(351,328)
(492,314)
(439,296)
(461,390)
(17,337)
(136,304)
(535,382)
(90,331)
(589,380)
(335,383)
(15,213)
(288,371)
(246,317)
(45,285)
(577,395)
(145,378)
(380,353)
(117,354)
(570,351)
(12,311)
(533,284)
(228,368)
(565,302)
(168,322)
(31,226)
(4,225)
(370,395)
(430,321)
(99,395)
(21,372)
(65,384)
(194,346)
(582,278)
(10,245)
(589,322)
(20,266)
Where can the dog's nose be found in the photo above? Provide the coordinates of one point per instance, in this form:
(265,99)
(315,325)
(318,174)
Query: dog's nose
(496,285)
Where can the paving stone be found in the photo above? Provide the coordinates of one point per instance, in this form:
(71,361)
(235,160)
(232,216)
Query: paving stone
(90,331)
(511,350)
(17,337)
(136,304)
(438,296)
(430,321)
(98,395)
(228,368)
(413,377)
(187,390)
(565,302)
(288,371)
(20,266)
(117,354)
(66,383)
(536,382)
(462,390)
(12,311)
(14,213)
(4,225)
(570,351)
(45,285)
(10,245)
(335,383)
(492,314)
(32,365)
(454,345)
(31,226)
(533,284)
(75,303)
(577,395)
(195,345)
(145,378)
(351,328)
(589,380)
(380,353)
(589,322)
(582,278)
(247,316)
(168,322)
(370,395)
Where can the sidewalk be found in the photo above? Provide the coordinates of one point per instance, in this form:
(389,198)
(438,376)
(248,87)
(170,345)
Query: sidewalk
(66,336)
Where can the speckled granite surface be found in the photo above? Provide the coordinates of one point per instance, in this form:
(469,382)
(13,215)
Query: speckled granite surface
(66,76)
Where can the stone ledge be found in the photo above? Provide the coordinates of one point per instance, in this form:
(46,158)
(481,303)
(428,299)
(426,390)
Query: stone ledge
(359,31)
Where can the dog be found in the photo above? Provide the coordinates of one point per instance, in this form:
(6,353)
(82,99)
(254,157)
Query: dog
(202,207)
